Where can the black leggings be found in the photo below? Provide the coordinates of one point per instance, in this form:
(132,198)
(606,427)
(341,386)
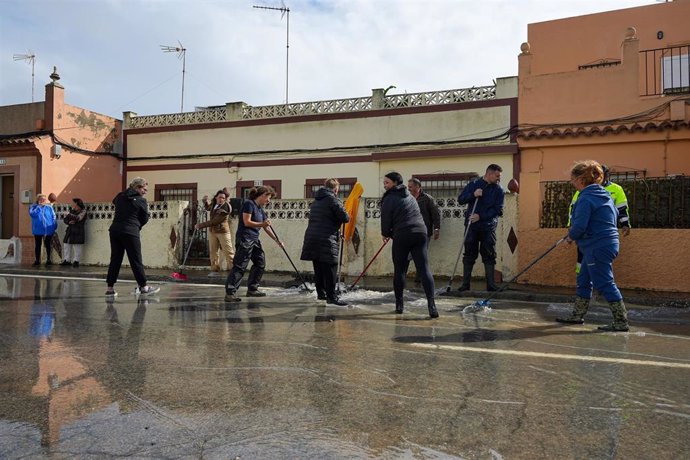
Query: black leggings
(119,244)
(45,239)
(415,244)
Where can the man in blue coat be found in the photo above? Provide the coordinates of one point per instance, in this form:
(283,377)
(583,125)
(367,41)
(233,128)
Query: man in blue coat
(481,236)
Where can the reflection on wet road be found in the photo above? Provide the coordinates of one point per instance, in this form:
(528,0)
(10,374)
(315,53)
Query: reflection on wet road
(186,375)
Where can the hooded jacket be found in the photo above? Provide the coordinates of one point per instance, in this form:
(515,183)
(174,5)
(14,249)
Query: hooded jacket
(400,213)
(131,213)
(593,221)
(43,219)
(489,205)
(322,236)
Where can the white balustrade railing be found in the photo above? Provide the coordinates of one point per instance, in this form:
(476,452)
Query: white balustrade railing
(358,104)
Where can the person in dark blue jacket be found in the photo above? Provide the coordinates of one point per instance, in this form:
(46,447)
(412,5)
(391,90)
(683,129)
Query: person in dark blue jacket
(43,226)
(248,246)
(481,236)
(402,221)
(593,225)
(322,240)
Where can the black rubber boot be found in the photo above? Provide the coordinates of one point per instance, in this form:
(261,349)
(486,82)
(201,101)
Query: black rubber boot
(466,277)
(399,306)
(490,282)
(433,313)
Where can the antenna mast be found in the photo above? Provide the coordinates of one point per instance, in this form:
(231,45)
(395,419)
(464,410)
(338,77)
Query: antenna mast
(181,54)
(30,57)
(283,9)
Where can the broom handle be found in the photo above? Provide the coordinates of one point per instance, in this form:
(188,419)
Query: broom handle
(184,261)
(370,262)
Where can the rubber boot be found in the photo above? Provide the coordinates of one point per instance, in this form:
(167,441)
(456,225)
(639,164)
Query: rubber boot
(466,277)
(578,314)
(490,282)
(433,313)
(620,318)
(399,306)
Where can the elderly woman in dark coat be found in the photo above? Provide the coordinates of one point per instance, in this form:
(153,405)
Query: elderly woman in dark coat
(75,235)
(402,221)
(321,240)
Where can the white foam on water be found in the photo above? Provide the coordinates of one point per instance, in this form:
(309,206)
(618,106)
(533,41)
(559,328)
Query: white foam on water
(474,308)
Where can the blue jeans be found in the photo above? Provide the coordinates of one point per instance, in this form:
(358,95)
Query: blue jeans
(597,272)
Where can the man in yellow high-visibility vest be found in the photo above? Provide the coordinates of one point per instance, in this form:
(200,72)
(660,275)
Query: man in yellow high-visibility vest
(619,200)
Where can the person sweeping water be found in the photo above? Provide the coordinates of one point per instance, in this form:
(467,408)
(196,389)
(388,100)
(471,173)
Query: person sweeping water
(593,226)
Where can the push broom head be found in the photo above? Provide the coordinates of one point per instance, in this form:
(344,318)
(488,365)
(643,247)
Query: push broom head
(177,276)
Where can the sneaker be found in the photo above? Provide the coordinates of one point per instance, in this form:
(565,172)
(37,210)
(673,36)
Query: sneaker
(256,293)
(149,290)
(64,262)
(232,298)
(75,264)
(110,294)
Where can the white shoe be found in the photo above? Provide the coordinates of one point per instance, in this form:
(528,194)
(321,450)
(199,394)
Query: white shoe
(149,290)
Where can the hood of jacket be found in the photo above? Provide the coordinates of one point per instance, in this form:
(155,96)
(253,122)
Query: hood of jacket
(399,190)
(323,192)
(132,194)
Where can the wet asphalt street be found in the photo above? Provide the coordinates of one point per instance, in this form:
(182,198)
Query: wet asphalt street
(185,375)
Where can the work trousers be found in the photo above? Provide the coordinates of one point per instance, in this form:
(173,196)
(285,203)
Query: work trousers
(119,244)
(220,242)
(480,240)
(246,251)
(597,272)
(72,252)
(325,278)
(44,240)
(403,246)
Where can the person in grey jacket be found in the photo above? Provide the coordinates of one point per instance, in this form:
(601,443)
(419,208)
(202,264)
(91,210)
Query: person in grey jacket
(402,221)
(322,240)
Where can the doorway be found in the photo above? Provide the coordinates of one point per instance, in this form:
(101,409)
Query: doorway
(7,206)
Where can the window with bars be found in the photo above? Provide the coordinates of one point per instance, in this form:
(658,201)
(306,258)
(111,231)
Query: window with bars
(311,186)
(181,192)
(244,186)
(448,185)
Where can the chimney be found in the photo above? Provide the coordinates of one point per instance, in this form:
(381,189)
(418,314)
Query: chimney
(55,100)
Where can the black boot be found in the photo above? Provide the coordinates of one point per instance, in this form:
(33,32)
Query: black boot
(490,282)
(466,277)
(433,313)
(399,306)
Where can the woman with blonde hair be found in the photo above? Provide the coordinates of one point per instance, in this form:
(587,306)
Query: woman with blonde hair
(43,226)
(593,226)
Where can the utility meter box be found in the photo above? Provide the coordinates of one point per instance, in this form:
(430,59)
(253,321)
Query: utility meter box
(27,196)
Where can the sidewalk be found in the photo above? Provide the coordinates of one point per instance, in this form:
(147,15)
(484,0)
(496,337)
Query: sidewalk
(516,292)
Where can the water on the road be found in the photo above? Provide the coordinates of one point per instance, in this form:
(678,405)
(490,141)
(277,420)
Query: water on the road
(183,374)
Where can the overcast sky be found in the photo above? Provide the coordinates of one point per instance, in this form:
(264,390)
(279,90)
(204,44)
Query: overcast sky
(108,54)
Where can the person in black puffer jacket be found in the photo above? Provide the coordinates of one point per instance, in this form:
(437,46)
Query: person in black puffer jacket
(75,234)
(131,213)
(402,221)
(321,240)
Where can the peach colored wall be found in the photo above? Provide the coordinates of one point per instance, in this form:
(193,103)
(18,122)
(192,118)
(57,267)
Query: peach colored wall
(564,44)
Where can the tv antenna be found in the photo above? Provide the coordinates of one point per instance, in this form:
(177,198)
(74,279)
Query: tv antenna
(30,58)
(284,10)
(181,54)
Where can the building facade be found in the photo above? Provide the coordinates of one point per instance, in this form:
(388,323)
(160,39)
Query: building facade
(52,147)
(612,87)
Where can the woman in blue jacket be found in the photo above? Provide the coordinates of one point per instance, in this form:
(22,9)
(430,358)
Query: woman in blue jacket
(593,226)
(43,226)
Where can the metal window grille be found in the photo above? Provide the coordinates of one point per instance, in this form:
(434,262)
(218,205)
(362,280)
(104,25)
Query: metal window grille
(665,71)
(653,202)
(445,186)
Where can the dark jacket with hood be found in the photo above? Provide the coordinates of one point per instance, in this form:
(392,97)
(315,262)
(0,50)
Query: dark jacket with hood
(321,239)
(131,213)
(489,205)
(593,221)
(75,220)
(400,213)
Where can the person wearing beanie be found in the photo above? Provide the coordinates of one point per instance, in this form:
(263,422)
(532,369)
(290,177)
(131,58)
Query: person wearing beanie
(75,234)
(402,221)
